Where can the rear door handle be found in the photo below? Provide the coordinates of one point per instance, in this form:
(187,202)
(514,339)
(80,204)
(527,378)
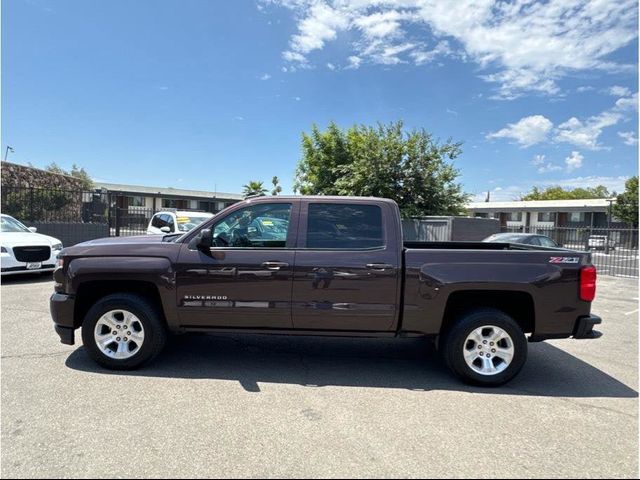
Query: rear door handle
(379,266)
(274,265)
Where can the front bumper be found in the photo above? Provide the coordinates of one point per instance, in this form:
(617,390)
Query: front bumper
(10,266)
(584,328)
(62,307)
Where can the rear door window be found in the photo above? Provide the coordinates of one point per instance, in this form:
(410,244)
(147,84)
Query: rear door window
(344,226)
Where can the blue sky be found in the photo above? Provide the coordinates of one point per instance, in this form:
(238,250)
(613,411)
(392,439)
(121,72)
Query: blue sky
(209,94)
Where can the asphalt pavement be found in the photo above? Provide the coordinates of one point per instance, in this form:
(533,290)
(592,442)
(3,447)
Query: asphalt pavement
(259,406)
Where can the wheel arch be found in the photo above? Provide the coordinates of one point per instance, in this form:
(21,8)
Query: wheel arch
(518,304)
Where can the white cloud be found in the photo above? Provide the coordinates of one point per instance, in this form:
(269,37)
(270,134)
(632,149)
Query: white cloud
(266,76)
(628,103)
(619,91)
(612,183)
(527,131)
(538,160)
(421,57)
(584,89)
(320,24)
(238,118)
(574,161)
(523,46)
(629,138)
(297,99)
(581,133)
(549,167)
(585,134)
(544,166)
(354,62)
(331,66)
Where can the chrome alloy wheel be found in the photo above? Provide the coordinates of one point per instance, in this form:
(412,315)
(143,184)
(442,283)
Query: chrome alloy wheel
(488,350)
(119,334)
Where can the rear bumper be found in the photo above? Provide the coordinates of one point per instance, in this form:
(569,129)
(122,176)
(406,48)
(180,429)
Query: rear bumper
(584,328)
(62,307)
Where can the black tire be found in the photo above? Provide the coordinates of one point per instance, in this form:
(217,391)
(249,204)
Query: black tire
(453,344)
(155,332)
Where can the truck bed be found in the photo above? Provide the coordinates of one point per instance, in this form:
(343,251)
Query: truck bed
(474,246)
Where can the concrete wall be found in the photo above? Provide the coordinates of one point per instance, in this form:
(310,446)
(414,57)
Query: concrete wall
(442,229)
(71,233)
(467,229)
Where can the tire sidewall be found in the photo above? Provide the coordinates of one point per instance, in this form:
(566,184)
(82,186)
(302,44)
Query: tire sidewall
(457,337)
(145,315)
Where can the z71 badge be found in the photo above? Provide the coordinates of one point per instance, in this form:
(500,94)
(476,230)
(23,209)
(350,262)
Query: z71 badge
(564,260)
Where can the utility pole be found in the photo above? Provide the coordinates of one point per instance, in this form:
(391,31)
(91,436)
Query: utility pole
(606,246)
(6,152)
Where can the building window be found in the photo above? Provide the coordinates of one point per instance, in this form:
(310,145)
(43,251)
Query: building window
(546,217)
(175,203)
(514,216)
(482,215)
(136,201)
(576,217)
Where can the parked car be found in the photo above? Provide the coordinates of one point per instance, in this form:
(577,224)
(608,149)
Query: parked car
(166,222)
(599,242)
(25,251)
(324,266)
(524,238)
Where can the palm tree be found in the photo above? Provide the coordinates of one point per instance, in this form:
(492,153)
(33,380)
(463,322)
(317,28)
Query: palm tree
(276,186)
(254,188)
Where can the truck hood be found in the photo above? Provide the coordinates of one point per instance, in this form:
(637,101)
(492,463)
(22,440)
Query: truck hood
(135,240)
(137,246)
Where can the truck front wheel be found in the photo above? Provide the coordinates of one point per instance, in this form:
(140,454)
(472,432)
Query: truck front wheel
(485,347)
(123,331)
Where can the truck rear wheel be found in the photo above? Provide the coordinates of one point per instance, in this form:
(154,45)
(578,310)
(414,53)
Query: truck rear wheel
(123,331)
(485,347)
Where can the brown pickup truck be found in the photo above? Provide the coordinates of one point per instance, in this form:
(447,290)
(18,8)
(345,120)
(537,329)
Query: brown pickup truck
(322,266)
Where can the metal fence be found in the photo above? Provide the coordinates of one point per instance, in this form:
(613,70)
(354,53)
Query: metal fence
(80,215)
(614,251)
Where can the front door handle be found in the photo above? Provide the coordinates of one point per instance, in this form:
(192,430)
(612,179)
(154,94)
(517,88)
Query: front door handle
(274,265)
(379,266)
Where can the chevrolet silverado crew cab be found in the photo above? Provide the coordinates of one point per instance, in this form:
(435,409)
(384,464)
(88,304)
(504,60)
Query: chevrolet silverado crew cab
(322,266)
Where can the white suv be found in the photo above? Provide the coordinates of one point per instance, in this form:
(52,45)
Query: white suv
(166,222)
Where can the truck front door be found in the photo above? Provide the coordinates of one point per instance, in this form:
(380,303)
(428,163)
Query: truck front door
(244,280)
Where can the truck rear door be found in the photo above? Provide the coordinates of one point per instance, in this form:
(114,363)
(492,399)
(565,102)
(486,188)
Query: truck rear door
(347,267)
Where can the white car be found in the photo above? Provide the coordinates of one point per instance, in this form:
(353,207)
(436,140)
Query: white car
(24,250)
(599,242)
(163,223)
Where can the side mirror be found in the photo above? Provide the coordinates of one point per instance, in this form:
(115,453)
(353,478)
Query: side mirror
(165,229)
(33,229)
(202,241)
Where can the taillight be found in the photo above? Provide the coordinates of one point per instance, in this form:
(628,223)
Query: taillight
(588,283)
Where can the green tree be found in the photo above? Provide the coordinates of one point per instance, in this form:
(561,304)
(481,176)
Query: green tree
(559,193)
(275,181)
(254,188)
(385,161)
(626,206)
(76,172)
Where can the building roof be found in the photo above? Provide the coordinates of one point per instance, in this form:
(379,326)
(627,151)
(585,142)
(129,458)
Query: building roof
(586,205)
(168,191)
